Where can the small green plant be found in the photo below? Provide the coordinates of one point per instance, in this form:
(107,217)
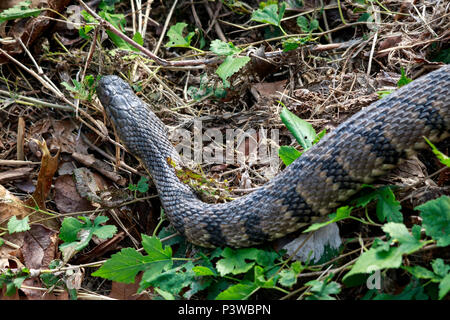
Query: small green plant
(141,186)
(302,131)
(232,63)
(271,14)
(76,233)
(83,90)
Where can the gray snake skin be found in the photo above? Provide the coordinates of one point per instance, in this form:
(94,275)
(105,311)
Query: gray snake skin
(363,148)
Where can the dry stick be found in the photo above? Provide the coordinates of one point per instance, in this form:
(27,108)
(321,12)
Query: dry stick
(34,101)
(214,22)
(18,163)
(166,24)
(20,139)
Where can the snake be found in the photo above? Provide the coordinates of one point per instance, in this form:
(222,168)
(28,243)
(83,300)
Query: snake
(365,147)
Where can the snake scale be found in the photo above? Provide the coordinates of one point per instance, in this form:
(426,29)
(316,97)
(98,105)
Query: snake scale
(366,146)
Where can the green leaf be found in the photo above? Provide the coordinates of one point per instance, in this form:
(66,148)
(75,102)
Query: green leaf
(166,295)
(230,66)
(172,280)
(124,266)
(18,225)
(384,256)
(442,157)
(444,287)
(240,291)
(322,289)
(176,38)
(269,14)
(306,25)
(399,232)
(388,208)
(20,10)
(203,271)
(234,261)
(436,219)
(77,234)
(403,79)
(340,214)
(303,131)
(260,279)
(288,154)
(288,278)
(222,48)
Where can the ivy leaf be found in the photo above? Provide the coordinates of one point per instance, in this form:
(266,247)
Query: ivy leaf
(234,261)
(303,131)
(436,219)
(18,225)
(20,10)
(176,38)
(288,154)
(230,66)
(240,291)
(222,48)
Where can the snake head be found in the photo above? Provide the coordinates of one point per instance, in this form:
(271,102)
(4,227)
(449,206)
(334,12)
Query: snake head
(120,103)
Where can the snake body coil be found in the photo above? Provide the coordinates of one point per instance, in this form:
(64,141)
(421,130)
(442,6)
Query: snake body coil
(364,147)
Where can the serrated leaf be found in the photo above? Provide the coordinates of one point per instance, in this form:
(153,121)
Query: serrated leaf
(230,66)
(240,291)
(222,48)
(303,131)
(18,225)
(288,154)
(20,10)
(436,219)
(125,265)
(399,232)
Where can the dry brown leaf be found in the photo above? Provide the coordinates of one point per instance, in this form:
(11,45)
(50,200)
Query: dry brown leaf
(67,198)
(127,291)
(10,206)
